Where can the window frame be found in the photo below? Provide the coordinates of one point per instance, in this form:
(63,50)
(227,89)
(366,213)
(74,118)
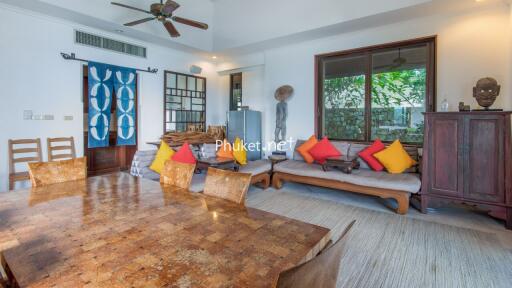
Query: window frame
(430,100)
(166,72)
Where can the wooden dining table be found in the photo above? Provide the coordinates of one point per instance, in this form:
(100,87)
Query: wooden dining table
(121,231)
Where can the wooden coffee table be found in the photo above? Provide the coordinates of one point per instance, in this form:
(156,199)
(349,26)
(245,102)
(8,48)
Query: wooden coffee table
(217,162)
(344,163)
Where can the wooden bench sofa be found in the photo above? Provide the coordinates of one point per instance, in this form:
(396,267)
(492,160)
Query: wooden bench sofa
(364,181)
(260,170)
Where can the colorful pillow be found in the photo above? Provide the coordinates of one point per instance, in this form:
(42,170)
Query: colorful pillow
(323,150)
(239,152)
(367,155)
(395,158)
(164,153)
(304,149)
(184,155)
(225,151)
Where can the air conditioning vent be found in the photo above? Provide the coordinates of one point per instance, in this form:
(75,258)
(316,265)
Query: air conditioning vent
(109,44)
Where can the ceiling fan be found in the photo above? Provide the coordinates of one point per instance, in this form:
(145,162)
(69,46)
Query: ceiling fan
(398,62)
(163,12)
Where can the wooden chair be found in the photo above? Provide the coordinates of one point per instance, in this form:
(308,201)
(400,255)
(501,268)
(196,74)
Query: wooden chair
(228,185)
(18,155)
(46,173)
(177,174)
(70,152)
(321,271)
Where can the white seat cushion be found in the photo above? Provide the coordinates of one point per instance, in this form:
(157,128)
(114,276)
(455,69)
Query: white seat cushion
(256,167)
(407,182)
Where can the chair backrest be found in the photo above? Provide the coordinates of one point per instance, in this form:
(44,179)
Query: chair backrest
(177,174)
(64,145)
(46,173)
(321,271)
(228,185)
(15,151)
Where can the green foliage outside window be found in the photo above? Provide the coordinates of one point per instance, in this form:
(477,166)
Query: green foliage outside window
(398,98)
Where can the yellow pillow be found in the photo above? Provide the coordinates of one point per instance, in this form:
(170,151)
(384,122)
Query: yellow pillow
(395,158)
(164,153)
(225,151)
(239,152)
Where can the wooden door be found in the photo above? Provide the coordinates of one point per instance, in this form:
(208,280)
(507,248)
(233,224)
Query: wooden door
(444,155)
(484,158)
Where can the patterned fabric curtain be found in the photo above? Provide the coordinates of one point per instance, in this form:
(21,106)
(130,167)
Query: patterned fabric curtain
(124,84)
(100,102)
(103,78)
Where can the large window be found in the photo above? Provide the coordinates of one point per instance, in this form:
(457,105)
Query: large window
(376,92)
(184,102)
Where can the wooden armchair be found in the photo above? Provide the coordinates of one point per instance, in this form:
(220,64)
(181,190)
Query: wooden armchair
(46,173)
(321,271)
(228,185)
(177,174)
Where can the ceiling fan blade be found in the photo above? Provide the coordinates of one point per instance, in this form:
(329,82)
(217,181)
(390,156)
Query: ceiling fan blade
(169,7)
(129,7)
(139,21)
(190,22)
(171,29)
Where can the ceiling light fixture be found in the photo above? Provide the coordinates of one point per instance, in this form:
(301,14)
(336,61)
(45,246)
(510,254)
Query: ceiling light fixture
(214,57)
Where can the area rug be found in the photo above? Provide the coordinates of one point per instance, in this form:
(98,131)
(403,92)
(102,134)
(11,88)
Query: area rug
(389,250)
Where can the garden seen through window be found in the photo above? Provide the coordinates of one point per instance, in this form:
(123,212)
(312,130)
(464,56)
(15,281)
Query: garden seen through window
(379,93)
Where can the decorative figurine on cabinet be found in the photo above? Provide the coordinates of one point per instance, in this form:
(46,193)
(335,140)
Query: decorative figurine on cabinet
(485,92)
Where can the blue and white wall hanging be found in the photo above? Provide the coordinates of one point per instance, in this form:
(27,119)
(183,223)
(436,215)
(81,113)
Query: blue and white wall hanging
(100,102)
(124,83)
(103,78)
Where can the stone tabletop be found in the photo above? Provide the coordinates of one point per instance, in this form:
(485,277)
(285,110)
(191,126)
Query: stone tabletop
(122,231)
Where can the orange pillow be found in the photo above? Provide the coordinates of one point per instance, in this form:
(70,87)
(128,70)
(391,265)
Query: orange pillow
(226,150)
(304,149)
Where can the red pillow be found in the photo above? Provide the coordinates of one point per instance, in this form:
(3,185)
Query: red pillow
(323,150)
(367,155)
(184,155)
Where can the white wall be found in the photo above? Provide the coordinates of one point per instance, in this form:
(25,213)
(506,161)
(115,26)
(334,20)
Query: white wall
(33,76)
(471,45)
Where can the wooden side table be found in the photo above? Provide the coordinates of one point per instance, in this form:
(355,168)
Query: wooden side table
(217,162)
(274,159)
(344,163)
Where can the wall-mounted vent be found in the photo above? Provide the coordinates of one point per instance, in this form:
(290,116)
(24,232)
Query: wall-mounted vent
(109,44)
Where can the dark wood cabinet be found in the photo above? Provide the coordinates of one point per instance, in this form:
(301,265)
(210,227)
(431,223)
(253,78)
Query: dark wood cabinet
(467,158)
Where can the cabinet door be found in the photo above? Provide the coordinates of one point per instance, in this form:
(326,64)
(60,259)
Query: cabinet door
(445,155)
(484,158)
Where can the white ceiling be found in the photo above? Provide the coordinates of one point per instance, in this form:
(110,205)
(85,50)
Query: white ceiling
(244,25)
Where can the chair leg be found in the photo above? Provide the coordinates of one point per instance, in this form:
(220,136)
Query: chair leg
(403,204)
(11,184)
(266,181)
(277,183)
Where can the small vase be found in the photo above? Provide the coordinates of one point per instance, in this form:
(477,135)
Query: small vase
(445,105)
